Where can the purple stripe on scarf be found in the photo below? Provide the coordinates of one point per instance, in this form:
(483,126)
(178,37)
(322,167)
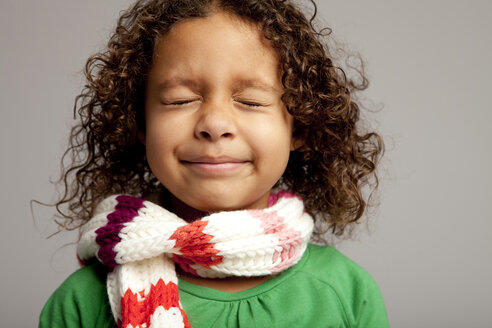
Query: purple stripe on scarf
(108,236)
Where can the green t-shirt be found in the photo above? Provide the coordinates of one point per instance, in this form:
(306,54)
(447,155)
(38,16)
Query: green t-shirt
(325,289)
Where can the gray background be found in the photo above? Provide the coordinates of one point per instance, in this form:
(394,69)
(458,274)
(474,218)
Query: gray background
(428,244)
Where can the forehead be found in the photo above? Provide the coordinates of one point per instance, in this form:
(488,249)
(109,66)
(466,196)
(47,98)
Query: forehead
(221,39)
(227,24)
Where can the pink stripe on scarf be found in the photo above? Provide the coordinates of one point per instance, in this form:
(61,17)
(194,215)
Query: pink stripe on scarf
(288,238)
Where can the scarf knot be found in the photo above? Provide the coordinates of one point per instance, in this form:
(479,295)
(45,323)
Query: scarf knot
(140,241)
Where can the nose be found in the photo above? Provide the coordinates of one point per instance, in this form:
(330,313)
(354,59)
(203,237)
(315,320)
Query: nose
(215,123)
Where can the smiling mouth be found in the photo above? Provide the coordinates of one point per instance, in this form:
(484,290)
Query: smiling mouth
(215,165)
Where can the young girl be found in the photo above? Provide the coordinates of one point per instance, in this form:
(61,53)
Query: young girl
(215,136)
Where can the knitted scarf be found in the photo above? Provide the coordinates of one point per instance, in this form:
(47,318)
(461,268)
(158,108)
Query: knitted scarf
(140,242)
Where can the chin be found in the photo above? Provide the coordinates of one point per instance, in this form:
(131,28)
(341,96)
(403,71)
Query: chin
(212,207)
(213,200)
(221,204)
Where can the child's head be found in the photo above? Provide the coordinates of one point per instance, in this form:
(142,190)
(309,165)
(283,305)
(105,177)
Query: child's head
(217,134)
(219,101)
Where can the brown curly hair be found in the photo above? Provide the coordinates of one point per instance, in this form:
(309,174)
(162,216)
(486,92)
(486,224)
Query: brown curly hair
(329,169)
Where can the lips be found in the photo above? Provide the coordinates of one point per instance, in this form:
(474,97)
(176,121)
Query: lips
(211,165)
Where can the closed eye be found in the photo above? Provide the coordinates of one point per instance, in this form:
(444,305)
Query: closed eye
(249,103)
(179,102)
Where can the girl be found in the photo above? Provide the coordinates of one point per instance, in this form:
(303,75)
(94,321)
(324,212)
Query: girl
(225,133)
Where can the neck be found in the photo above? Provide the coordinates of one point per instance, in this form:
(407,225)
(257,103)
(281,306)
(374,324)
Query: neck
(184,211)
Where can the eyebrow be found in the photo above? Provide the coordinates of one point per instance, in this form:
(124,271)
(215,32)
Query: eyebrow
(255,84)
(177,81)
(240,85)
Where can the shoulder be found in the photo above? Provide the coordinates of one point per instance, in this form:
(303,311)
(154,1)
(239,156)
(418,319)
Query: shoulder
(328,264)
(80,301)
(90,274)
(355,288)
(83,283)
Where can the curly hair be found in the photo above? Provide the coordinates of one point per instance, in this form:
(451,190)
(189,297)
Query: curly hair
(329,169)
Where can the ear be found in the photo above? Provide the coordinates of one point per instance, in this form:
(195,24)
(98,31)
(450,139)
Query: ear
(296,143)
(141,137)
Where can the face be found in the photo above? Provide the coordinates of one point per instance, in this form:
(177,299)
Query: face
(218,136)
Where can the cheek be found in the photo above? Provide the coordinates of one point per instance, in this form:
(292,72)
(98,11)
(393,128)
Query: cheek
(163,130)
(159,145)
(283,144)
(272,140)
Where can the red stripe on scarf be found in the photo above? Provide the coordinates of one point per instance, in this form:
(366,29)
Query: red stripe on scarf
(195,247)
(138,312)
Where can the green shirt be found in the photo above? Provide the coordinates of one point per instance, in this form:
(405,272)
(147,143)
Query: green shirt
(325,289)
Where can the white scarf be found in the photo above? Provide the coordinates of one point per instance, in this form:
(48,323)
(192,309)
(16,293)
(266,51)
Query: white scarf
(140,241)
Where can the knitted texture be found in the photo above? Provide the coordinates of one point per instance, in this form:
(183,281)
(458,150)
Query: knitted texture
(140,241)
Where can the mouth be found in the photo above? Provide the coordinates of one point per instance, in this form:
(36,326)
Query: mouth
(208,165)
